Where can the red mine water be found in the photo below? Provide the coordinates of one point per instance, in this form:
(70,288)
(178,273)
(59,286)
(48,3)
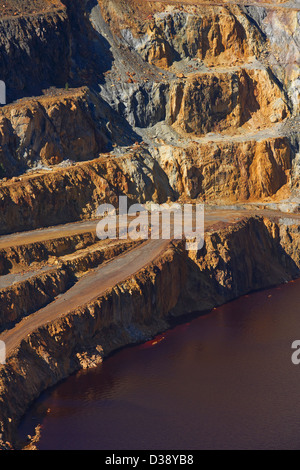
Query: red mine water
(222,381)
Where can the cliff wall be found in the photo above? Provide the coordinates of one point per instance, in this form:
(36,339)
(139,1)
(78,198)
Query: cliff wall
(250,255)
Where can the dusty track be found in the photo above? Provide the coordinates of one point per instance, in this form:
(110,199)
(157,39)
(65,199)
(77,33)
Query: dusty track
(88,288)
(107,275)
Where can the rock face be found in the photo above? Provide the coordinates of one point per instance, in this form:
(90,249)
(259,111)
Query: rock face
(192,101)
(233,261)
(48,130)
(19,257)
(223,171)
(221,102)
(75,192)
(44,285)
(25,43)
(253,254)
(165,74)
(213,34)
(236,171)
(281,27)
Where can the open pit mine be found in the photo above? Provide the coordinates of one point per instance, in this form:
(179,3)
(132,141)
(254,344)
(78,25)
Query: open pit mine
(188,102)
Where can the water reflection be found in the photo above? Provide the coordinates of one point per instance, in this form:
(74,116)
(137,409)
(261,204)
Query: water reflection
(221,381)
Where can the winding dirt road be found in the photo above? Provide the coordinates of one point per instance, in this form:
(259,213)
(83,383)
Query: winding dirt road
(86,289)
(107,275)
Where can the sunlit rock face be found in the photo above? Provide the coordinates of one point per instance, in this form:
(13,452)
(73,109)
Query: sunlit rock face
(282,29)
(165,74)
(193,101)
